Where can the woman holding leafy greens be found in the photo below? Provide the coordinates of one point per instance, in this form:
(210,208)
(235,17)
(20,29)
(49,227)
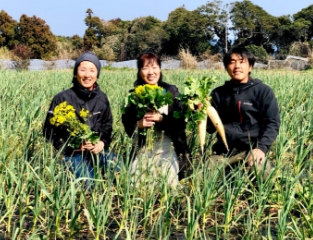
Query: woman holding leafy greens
(79,120)
(166,155)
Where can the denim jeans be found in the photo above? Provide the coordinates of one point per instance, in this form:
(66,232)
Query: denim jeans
(82,164)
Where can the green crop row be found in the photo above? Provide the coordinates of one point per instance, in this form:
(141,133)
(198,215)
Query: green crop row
(40,199)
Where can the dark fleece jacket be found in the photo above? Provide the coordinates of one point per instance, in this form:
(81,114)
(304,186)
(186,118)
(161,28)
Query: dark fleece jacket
(95,101)
(249,113)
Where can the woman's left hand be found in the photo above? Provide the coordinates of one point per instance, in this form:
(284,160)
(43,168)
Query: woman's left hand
(94,148)
(98,147)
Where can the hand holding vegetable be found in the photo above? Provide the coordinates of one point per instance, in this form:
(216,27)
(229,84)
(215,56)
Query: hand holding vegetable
(149,119)
(195,97)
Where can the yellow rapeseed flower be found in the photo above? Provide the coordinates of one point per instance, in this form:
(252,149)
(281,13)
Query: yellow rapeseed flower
(152,87)
(61,119)
(139,90)
(71,115)
(52,120)
(83,113)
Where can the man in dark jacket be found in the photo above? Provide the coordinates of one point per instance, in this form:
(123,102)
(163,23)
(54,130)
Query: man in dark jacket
(248,110)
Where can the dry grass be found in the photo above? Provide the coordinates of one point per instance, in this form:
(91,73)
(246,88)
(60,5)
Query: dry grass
(188,61)
(5,53)
(65,50)
(301,49)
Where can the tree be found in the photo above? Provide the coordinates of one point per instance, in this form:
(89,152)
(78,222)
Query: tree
(34,33)
(304,18)
(7,30)
(188,30)
(145,33)
(259,53)
(283,37)
(301,29)
(253,25)
(217,22)
(94,31)
(77,42)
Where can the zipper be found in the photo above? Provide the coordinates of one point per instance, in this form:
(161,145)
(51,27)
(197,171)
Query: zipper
(239,111)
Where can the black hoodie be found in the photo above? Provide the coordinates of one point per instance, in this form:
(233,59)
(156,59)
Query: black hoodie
(95,101)
(249,113)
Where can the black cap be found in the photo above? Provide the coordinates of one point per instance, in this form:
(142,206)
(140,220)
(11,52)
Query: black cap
(88,56)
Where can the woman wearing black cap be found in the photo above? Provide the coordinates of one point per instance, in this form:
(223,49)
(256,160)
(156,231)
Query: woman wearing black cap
(84,94)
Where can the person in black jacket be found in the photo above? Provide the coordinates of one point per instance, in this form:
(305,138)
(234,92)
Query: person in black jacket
(249,111)
(163,160)
(84,94)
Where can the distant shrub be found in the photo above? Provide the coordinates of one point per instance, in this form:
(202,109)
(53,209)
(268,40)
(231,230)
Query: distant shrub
(301,49)
(105,53)
(22,52)
(65,50)
(5,53)
(187,60)
(259,53)
(21,57)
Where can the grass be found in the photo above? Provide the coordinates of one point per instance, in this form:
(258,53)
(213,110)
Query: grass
(39,198)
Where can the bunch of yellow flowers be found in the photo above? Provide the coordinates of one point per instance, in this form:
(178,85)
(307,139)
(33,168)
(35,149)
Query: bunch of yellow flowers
(148,98)
(64,114)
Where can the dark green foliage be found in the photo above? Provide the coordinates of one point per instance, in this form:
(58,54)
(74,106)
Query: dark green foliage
(93,33)
(216,16)
(188,30)
(305,19)
(206,29)
(77,42)
(144,34)
(259,53)
(253,25)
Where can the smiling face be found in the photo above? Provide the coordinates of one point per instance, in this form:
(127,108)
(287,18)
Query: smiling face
(239,68)
(87,74)
(150,72)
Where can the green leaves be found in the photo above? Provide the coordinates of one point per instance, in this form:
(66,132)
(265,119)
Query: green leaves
(195,96)
(148,98)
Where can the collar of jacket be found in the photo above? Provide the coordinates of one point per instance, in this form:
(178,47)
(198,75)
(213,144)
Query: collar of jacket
(251,82)
(83,92)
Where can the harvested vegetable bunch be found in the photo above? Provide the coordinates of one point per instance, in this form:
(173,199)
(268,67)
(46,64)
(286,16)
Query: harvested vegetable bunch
(148,98)
(196,97)
(65,114)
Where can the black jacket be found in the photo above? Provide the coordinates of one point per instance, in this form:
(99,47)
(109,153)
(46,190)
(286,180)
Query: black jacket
(249,113)
(172,127)
(95,101)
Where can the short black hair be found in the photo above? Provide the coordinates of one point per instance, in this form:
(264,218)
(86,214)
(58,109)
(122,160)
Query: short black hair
(243,52)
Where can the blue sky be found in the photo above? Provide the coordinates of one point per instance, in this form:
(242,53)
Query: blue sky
(66,17)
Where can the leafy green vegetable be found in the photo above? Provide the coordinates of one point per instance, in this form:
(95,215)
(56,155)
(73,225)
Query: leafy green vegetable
(148,98)
(195,97)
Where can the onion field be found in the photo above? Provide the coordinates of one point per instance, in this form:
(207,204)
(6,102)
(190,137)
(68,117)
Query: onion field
(40,198)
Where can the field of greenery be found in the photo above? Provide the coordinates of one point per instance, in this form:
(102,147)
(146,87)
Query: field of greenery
(40,199)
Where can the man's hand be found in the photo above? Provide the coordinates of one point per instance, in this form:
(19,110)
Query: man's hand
(256,156)
(149,119)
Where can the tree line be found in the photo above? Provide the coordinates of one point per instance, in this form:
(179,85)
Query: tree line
(208,30)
